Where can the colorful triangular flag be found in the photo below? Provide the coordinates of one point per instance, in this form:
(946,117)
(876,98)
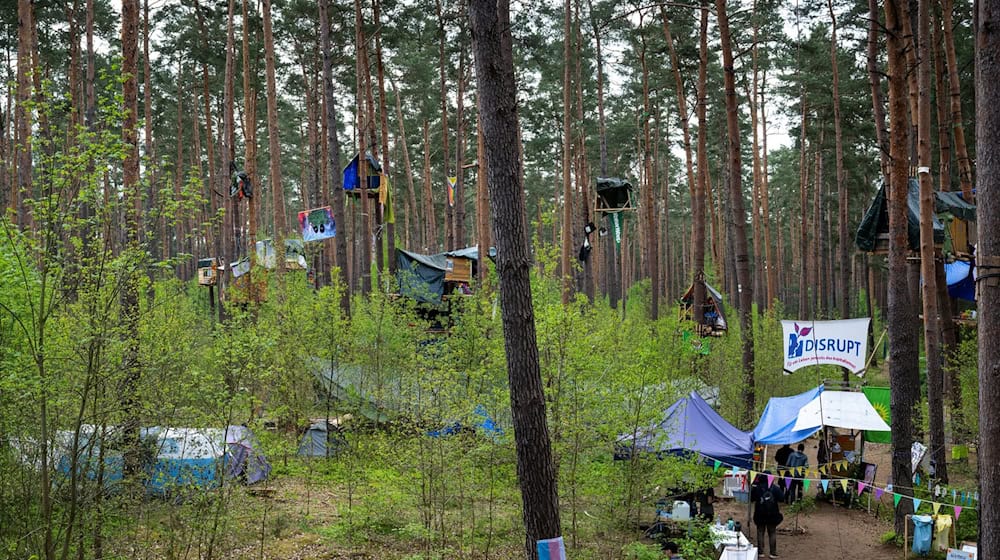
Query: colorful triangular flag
(936,506)
(843,484)
(788,483)
(958,511)
(805,485)
(878,493)
(916,504)
(825,483)
(861,487)
(753,477)
(895,499)
(770,480)
(717,465)
(916,478)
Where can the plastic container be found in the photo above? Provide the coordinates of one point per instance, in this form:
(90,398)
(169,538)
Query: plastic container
(681,511)
(742,496)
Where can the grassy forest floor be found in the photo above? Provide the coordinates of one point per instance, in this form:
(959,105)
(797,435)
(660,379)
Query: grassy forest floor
(300,514)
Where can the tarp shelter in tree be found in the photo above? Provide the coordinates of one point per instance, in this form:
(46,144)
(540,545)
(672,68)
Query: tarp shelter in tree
(373,176)
(715,320)
(432,278)
(691,426)
(959,217)
(613,195)
(321,439)
(873,232)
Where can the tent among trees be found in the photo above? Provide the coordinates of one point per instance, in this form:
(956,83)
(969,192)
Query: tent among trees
(714,322)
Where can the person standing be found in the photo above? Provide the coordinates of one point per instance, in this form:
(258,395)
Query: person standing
(766,514)
(782,455)
(796,461)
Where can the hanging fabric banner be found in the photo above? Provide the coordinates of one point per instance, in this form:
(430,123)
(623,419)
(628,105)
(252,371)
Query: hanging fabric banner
(451,190)
(840,343)
(317,224)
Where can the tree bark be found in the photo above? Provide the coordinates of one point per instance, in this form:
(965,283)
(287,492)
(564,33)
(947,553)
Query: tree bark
(875,81)
(23,118)
(844,272)
(988,260)
(803,310)
(961,150)
(274,143)
(490,25)
(698,204)
(903,348)
(334,163)
(430,236)
(650,247)
(743,281)
(389,240)
(250,154)
(133,197)
(932,327)
(449,232)
(566,265)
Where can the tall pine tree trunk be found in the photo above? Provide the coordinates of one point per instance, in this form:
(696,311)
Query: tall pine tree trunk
(566,265)
(932,327)
(988,260)
(742,260)
(650,246)
(490,25)
(961,151)
(274,143)
(903,346)
(844,272)
(698,203)
(334,163)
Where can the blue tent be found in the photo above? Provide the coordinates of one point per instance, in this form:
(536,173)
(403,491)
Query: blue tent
(777,422)
(691,425)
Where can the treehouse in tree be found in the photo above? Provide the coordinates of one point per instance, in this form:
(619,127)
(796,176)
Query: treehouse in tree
(873,232)
(715,321)
(435,280)
(373,176)
(614,195)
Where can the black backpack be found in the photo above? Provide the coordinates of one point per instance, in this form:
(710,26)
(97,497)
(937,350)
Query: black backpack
(767,506)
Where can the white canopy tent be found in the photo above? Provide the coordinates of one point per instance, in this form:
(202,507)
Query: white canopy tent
(840,409)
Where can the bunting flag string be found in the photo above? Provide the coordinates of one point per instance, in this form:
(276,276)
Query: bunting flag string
(961,499)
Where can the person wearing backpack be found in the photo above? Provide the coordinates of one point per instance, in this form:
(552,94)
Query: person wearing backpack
(766,513)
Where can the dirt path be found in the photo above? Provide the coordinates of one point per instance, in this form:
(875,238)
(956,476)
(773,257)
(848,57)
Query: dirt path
(827,533)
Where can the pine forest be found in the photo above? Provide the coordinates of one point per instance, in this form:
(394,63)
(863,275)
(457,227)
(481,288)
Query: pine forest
(443,279)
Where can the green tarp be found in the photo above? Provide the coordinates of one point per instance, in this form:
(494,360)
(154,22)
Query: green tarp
(876,220)
(953,203)
(421,277)
(879,397)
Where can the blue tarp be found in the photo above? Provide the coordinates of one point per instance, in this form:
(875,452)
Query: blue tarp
(961,283)
(775,426)
(691,425)
(481,421)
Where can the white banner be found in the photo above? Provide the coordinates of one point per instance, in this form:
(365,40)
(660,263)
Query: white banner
(840,343)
